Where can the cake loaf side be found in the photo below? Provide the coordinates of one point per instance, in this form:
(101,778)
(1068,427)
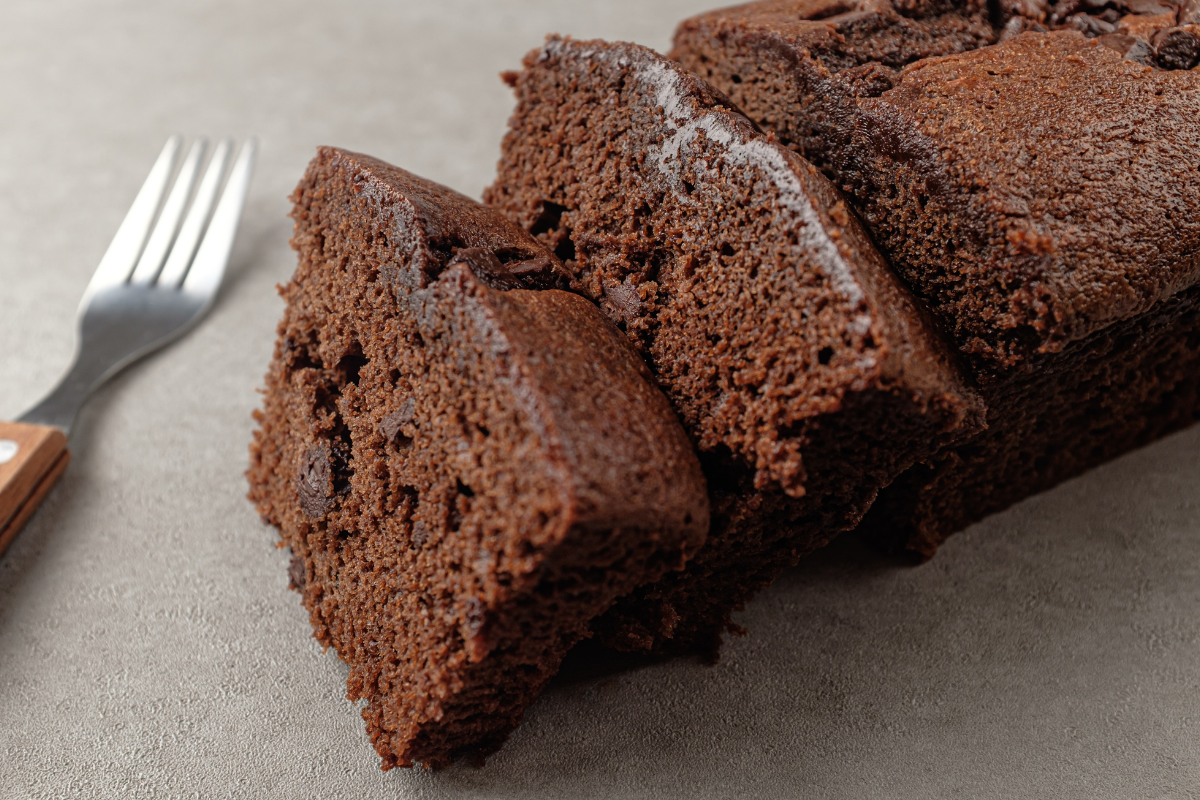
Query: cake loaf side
(467,471)
(1119,389)
(798,363)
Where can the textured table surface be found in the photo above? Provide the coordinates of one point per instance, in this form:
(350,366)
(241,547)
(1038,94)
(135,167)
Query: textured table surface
(149,646)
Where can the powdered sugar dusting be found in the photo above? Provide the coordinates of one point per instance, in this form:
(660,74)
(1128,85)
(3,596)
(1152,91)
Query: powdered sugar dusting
(742,151)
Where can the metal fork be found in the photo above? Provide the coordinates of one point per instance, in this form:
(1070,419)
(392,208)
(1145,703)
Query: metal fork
(157,279)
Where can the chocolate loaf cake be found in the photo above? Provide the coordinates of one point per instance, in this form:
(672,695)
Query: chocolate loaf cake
(1030,172)
(468,463)
(800,366)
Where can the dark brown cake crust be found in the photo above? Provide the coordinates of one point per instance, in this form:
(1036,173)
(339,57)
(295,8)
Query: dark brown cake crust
(1036,189)
(466,475)
(799,365)
(1034,192)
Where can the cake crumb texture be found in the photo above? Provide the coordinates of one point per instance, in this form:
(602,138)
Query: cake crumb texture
(799,364)
(466,474)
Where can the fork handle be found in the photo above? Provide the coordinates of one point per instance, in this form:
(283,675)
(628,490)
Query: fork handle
(32,457)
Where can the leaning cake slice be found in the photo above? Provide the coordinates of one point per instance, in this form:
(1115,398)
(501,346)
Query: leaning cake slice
(467,471)
(799,364)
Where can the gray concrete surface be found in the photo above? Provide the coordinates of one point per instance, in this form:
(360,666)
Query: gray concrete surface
(149,646)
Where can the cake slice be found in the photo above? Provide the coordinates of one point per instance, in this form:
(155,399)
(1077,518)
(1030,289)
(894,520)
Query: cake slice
(1035,189)
(800,366)
(467,470)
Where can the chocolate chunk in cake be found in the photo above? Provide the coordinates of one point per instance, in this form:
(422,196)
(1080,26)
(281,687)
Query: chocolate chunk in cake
(1036,189)
(467,471)
(800,366)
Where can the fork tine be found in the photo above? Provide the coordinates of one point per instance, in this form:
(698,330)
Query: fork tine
(168,219)
(123,252)
(197,216)
(204,278)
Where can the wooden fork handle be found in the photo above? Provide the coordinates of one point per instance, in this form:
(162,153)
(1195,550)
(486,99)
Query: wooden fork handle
(32,457)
